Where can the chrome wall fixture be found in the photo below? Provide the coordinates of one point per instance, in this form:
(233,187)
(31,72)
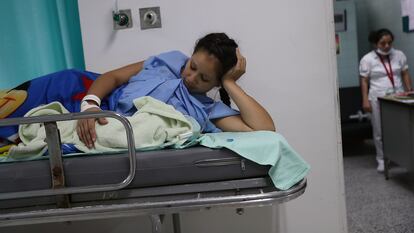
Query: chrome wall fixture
(150,17)
(122,19)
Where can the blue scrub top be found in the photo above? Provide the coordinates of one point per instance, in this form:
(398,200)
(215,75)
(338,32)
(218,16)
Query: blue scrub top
(161,78)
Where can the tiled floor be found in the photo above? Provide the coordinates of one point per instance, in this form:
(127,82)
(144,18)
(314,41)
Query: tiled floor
(374,204)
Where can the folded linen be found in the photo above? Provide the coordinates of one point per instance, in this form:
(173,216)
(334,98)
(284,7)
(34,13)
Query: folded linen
(265,148)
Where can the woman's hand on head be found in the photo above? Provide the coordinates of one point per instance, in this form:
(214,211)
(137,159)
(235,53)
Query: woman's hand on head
(238,70)
(86,128)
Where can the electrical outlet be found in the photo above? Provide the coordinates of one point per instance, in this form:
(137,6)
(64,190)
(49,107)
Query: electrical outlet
(150,17)
(122,19)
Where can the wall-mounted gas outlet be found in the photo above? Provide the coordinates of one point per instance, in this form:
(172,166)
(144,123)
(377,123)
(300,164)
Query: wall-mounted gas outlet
(122,19)
(150,17)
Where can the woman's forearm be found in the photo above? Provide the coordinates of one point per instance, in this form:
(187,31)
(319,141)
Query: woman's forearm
(251,112)
(406,80)
(364,88)
(107,82)
(366,105)
(103,85)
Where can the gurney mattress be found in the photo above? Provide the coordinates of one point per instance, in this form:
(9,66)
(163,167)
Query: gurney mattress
(154,168)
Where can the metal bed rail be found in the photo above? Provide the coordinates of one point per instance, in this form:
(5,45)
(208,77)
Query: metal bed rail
(154,205)
(55,154)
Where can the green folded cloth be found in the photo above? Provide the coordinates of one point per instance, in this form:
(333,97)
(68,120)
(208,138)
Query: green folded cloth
(265,148)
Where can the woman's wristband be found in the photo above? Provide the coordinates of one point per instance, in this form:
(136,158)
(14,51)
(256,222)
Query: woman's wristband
(93,98)
(85,105)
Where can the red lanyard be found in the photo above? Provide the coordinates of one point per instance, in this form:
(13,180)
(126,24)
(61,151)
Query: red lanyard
(389,72)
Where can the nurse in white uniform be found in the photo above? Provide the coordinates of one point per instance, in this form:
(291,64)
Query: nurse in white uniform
(383,71)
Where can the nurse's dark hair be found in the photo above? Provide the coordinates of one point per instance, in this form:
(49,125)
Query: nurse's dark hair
(376,36)
(224,49)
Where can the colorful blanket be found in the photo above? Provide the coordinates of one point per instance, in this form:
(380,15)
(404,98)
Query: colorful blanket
(67,87)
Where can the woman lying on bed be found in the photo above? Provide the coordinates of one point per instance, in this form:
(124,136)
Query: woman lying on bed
(171,77)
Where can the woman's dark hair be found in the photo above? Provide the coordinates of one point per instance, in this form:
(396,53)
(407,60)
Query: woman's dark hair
(224,49)
(376,36)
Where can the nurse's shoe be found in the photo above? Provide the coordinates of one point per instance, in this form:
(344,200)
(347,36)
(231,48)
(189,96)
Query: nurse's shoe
(380,167)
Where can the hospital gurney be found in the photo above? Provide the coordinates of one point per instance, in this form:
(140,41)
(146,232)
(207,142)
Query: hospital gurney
(129,183)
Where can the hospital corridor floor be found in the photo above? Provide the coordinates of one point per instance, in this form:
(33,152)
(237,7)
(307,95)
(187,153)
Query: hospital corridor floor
(376,205)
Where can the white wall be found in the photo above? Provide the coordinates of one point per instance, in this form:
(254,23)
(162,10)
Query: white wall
(348,59)
(290,49)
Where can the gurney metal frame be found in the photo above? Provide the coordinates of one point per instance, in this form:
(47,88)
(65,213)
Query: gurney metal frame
(115,200)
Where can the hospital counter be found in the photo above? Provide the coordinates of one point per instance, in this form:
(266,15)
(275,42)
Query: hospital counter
(397,120)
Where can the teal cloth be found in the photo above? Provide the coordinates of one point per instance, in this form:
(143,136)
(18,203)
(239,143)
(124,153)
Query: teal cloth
(265,148)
